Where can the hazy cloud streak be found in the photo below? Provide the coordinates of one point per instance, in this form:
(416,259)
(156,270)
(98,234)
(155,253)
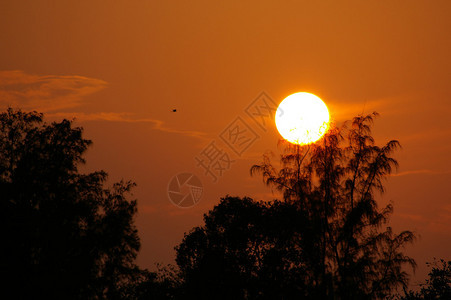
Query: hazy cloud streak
(53,93)
(416,172)
(45,93)
(127,118)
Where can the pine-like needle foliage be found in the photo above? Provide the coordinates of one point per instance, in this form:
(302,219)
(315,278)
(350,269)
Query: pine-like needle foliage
(341,237)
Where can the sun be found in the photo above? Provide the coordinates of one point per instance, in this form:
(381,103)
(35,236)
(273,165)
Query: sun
(302,118)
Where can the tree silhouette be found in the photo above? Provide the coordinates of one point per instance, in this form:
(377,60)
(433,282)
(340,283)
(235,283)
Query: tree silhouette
(245,250)
(438,286)
(64,235)
(327,239)
(221,258)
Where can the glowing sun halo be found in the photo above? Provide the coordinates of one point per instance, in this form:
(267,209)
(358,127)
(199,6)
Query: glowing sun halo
(302,118)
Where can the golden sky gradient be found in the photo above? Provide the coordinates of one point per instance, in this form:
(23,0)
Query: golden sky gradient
(120,67)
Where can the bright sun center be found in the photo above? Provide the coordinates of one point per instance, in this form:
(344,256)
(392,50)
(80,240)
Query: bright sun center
(302,118)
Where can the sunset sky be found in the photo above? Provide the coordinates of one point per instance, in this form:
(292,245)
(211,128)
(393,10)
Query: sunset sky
(121,67)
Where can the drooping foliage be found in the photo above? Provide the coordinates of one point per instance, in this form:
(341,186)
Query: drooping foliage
(334,183)
(325,239)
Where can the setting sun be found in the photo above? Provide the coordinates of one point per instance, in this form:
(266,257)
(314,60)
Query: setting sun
(302,118)
(225,149)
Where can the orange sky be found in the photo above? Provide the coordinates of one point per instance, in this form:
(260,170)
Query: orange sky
(120,67)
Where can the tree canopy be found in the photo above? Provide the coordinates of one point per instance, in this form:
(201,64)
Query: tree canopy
(437,286)
(325,239)
(64,234)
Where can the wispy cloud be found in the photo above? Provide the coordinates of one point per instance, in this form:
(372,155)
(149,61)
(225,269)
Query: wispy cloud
(45,93)
(413,217)
(438,222)
(394,105)
(147,209)
(442,221)
(429,134)
(56,95)
(345,111)
(417,172)
(127,118)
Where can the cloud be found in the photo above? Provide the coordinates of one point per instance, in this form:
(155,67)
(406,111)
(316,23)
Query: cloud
(345,111)
(147,209)
(437,222)
(54,95)
(342,110)
(45,93)
(439,134)
(416,172)
(442,221)
(124,117)
(413,217)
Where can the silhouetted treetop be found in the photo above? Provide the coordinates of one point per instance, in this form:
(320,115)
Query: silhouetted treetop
(437,286)
(326,239)
(64,234)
